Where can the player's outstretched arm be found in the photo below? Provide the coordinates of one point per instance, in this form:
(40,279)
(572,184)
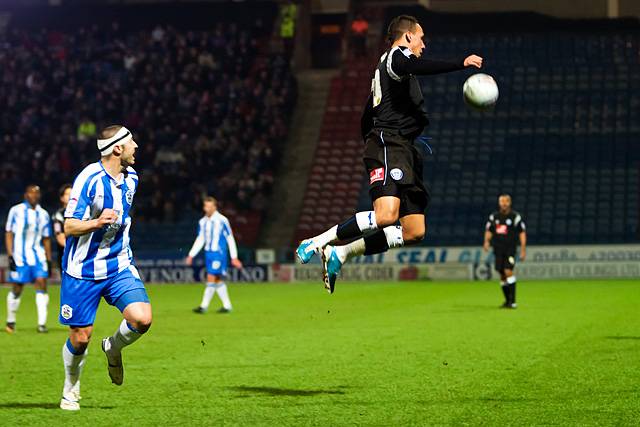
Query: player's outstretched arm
(403,64)
(78,227)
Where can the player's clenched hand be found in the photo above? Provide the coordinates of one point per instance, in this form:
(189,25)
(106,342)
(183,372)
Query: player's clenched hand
(235,262)
(485,247)
(523,255)
(473,61)
(107,217)
(188,260)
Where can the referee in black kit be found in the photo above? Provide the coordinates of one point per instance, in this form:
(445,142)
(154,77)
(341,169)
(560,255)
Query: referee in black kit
(504,229)
(393,118)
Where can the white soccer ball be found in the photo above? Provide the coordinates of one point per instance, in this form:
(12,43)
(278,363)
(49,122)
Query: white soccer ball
(480,91)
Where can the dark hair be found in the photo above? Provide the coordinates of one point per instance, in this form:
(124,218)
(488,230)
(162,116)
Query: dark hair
(400,25)
(109,131)
(210,199)
(63,188)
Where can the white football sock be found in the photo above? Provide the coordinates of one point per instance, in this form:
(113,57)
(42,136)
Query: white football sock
(348,251)
(224,295)
(42,301)
(329,236)
(394,237)
(73,364)
(13,303)
(209,292)
(125,335)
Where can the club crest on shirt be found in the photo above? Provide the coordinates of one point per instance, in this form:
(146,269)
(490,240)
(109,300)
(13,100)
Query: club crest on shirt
(66,312)
(129,196)
(508,221)
(396,174)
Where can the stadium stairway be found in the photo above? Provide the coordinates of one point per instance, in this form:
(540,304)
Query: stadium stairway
(336,174)
(296,164)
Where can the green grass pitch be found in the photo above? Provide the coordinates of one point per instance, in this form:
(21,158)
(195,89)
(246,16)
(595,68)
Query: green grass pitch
(371,354)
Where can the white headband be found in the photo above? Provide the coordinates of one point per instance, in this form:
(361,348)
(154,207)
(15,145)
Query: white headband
(120,138)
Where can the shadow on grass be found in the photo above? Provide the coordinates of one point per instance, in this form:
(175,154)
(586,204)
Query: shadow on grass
(277,391)
(47,405)
(622,337)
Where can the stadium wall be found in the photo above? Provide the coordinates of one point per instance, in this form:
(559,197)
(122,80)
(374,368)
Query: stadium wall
(437,263)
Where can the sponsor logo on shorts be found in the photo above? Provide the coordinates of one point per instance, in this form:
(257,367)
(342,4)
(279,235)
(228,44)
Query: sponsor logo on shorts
(512,260)
(66,312)
(215,265)
(376,175)
(396,174)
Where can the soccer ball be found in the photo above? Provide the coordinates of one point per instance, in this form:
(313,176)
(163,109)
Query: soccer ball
(480,91)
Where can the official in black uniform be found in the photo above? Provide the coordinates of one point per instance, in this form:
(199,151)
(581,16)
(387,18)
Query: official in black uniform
(58,221)
(393,118)
(504,229)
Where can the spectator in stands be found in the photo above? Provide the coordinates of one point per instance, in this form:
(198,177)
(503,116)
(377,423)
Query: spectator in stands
(359,31)
(225,110)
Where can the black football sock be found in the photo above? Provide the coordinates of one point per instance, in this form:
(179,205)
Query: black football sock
(357,225)
(381,240)
(505,291)
(375,243)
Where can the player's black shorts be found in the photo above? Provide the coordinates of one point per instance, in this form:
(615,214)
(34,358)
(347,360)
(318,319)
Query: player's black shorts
(394,167)
(505,260)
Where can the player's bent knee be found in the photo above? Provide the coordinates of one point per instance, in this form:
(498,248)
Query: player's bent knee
(386,218)
(413,235)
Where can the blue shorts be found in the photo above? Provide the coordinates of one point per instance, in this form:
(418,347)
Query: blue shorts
(29,273)
(79,298)
(216,263)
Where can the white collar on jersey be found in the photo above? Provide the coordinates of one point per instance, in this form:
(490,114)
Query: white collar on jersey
(120,138)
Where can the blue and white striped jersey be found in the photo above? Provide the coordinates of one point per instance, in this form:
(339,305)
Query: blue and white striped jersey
(215,235)
(28,225)
(106,252)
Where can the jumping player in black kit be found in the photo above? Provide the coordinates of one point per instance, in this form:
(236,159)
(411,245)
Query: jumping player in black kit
(393,118)
(504,229)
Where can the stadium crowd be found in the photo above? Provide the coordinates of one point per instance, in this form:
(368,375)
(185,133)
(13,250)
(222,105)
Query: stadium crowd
(207,108)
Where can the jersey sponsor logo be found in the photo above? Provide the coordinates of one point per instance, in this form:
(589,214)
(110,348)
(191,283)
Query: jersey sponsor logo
(396,174)
(502,229)
(66,312)
(376,175)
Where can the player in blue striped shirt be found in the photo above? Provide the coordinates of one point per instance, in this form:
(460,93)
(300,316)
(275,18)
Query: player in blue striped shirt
(216,237)
(98,261)
(28,243)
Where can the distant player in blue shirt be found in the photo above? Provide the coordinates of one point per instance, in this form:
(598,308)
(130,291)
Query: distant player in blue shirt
(216,237)
(98,262)
(28,243)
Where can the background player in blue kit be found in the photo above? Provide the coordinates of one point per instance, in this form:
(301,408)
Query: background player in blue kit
(28,243)
(216,237)
(98,261)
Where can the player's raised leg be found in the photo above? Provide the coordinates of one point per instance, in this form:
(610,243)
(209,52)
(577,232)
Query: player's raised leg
(411,230)
(127,293)
(354,227)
